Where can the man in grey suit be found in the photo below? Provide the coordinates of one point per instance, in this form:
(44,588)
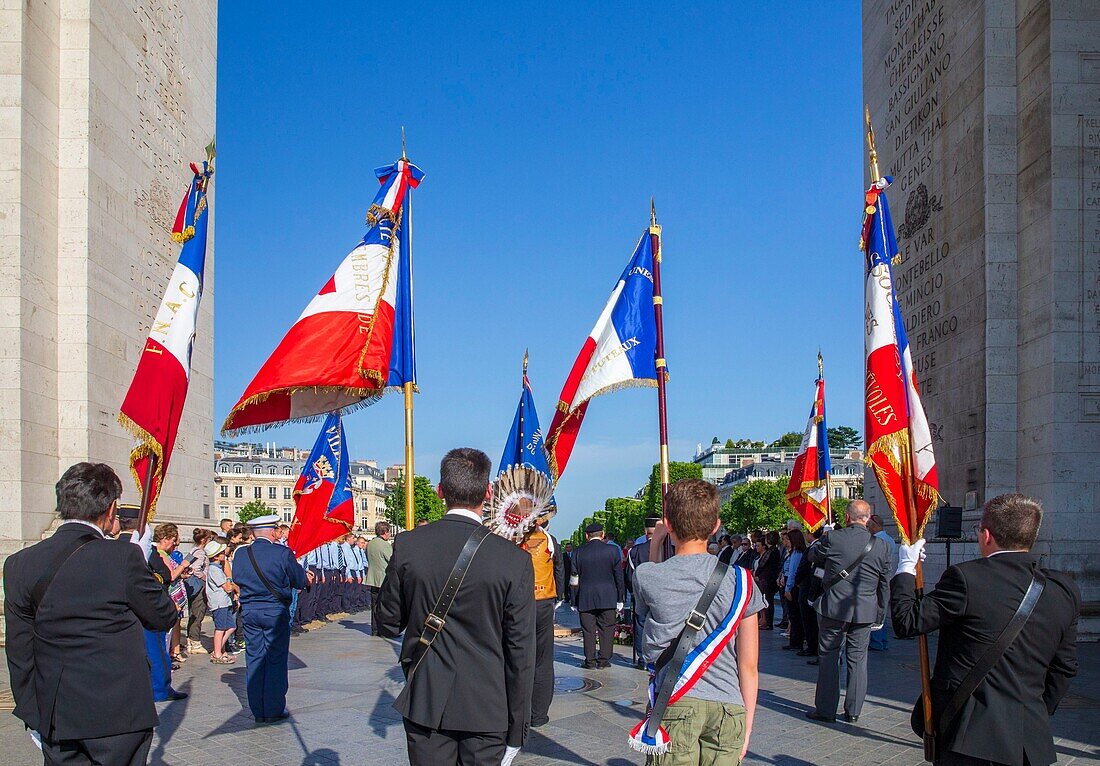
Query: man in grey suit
(854,603)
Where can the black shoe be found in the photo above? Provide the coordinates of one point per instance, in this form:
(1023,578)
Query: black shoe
(588,666)
(813,715)
(602,665)
(814,661)
(806,653)
(175,695)
(851,718)
(540,722)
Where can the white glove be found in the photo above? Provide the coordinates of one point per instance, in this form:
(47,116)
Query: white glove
(619,606)
(509,755)
(828,527)
(909,555)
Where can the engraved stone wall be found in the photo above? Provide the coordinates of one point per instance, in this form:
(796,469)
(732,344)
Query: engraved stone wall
(988,115)
(101,112)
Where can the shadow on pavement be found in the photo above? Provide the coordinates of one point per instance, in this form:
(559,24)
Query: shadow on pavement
(539,744)
(322,757)
(170,720)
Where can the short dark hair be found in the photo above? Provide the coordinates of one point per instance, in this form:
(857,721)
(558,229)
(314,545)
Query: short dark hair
(225,520)
(1013,520)
(86,491)
(798,540)
(382,528)
(771,539)
(691,508)
(464,477)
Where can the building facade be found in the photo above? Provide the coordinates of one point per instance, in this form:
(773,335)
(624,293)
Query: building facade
(846,479)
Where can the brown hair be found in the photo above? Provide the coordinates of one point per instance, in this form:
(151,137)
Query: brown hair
(1013,520)
(201,536)
(382,528)
(798,540)
(691,508)
(165,532)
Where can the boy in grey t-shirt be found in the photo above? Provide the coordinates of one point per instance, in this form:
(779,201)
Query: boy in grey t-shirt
(712,722)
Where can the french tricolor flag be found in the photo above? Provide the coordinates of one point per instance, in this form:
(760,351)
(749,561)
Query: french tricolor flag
(807,491)
(152,408)
(354,339)
(620,352)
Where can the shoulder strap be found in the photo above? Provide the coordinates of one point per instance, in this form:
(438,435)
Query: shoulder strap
(263,578)
(974,677)
(847,571)
(42,586)
(437,618)
(674,655)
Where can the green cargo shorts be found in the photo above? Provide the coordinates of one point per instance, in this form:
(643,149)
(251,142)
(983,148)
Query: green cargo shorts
(702,733)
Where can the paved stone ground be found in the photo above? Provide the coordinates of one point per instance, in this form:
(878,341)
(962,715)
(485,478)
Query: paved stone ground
(343,682)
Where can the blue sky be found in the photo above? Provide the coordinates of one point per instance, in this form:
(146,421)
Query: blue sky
(544,129)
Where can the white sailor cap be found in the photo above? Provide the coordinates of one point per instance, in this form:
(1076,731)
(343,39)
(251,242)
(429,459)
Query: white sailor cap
(269,521)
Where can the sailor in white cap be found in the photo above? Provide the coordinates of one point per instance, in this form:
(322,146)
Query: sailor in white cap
(267,573)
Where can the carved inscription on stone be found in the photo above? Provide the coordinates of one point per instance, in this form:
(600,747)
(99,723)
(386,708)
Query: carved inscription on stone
(1090,263)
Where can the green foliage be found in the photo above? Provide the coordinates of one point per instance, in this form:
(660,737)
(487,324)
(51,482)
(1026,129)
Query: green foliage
(791,440)
(839,505)
(844,437)
(426,503)
(651,500)
(253,509)
(714,440)
(748,444)
(729,444)
(757,505)
(625,518)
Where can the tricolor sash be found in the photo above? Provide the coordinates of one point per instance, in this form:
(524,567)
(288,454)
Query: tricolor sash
(649,736)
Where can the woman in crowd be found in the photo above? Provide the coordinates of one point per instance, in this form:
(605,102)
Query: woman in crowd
(166,539)
(196,592)
(784,576)
(768,562)
(790,589)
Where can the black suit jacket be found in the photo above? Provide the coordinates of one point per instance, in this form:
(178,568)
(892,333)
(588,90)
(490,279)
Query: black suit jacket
(600,581)
(1008,716)
(78,666)
(477,675)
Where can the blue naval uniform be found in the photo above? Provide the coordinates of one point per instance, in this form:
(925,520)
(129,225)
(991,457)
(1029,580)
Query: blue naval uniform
(267,622)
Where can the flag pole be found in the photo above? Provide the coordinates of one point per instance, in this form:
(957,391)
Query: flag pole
(410,495)
(662,367)
(147,494)
(828,474)
(911,512)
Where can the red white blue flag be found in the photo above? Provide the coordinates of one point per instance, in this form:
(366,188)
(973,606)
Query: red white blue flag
(354,339)
(154,403)
(807,491)
(899,441)
(325,507)
(620,352)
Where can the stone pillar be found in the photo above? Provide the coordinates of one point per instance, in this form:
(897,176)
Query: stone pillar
(988,118)
(102,105)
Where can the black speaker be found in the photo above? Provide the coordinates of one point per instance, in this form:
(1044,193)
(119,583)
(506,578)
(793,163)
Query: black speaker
(949,522)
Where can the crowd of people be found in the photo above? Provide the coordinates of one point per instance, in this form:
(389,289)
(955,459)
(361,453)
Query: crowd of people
(98,615)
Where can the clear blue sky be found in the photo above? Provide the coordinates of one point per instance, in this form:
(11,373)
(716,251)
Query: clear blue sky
(544,129)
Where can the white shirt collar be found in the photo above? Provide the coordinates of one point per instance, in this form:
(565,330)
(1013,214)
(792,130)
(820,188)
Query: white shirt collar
(85,523)
(465,513)
(998,553)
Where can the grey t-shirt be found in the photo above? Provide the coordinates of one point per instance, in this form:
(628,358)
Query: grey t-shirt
(664,595)
(216,597)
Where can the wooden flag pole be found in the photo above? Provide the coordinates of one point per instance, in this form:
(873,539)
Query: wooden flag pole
(410,475)
(828,474)
(911,510)
(662,369)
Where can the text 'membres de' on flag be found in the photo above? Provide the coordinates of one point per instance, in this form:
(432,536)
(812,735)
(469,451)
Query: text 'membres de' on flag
(325,507)
(899,441)
(154,403)
(354,339)
(807,491)
(620,352)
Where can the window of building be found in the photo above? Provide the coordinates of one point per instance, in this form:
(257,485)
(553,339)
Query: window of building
(224,491)
(272,493)
(838,492)
(221,467)
(238,491)
(287,493)
(853,493)
(271,470)
(288,471)
(288,515)
(238,469)
(363,504)
(257,492)
(206,510)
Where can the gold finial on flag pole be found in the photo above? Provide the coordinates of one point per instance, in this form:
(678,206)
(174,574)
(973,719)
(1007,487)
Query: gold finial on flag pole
(525,358)
(875,174)
(820,365)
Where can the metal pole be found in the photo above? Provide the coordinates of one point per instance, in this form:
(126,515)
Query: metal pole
(147,493)
(410,475)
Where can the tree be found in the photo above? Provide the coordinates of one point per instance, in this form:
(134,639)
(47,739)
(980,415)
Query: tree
(426,503)
(714,440)
(729,444)
(839,505)
(791,440)
(844,437)
(253,509)
(625,518)
(651,499)
(756,505)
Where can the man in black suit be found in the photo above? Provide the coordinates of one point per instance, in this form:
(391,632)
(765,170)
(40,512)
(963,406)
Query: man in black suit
(1007,719)
(469,700)
(601,592)
(74,608)
(854,602)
